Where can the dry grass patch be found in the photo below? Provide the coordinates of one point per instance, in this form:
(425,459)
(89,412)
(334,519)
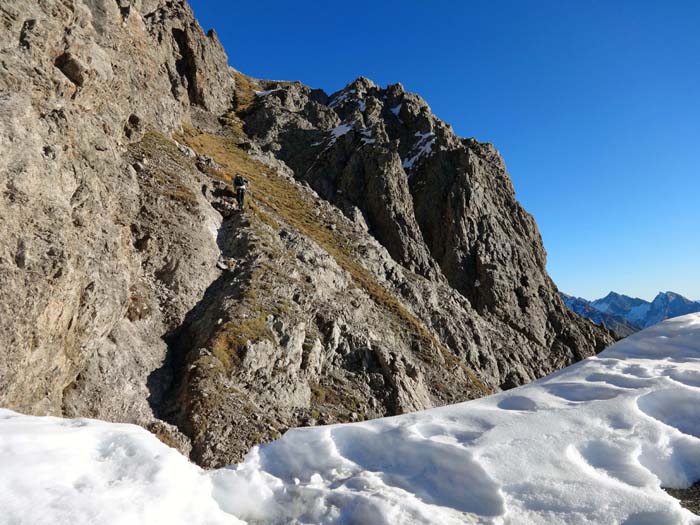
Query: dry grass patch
(229,344)
(245,91)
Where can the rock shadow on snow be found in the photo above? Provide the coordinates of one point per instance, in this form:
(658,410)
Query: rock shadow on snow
(522,403)
(437,473)
(677,408)
(618,380)
(582,391)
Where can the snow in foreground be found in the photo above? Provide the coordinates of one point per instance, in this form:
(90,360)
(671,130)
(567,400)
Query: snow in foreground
(590,444)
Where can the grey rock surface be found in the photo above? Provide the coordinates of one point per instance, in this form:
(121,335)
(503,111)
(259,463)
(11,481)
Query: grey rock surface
(443,206)
(382,264)
(94,265)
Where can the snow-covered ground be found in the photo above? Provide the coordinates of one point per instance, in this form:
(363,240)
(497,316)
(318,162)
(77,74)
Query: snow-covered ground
(590,444)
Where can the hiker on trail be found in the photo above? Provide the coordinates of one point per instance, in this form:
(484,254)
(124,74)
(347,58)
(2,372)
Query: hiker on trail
(241,184)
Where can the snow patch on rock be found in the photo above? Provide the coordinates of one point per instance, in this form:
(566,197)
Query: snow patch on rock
(422,148)
(342,98)
(267,92)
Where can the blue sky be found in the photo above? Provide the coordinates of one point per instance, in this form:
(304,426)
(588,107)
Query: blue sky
(595,106)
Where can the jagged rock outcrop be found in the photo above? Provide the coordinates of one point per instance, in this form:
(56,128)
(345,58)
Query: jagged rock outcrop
(443,206)
(383,264)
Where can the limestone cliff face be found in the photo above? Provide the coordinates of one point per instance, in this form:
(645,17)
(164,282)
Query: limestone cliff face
(85,238)
(382,266)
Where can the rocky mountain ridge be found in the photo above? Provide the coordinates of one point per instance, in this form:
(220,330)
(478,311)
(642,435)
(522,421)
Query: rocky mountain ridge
(625,315)
(617,324)
(383,264)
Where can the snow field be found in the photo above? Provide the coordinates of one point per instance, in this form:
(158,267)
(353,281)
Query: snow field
(591,444)
(78,471)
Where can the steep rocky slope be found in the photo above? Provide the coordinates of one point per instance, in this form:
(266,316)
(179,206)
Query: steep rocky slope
(382,266)
(443,206)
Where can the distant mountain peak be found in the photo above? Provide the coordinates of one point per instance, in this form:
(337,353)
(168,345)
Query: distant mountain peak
(621,312)
(670,296)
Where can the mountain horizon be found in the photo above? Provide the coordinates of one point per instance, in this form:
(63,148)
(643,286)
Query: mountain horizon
(625,315)
(635,296)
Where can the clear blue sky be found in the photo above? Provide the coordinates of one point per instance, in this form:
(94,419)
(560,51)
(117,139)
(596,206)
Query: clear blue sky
(594,104)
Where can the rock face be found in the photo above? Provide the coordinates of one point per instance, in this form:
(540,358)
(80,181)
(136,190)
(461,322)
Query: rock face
(444,207)
(94,265)
(382,265)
